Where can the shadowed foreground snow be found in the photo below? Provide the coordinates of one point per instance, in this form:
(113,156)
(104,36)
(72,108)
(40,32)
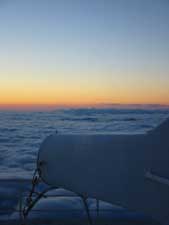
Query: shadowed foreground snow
(60,207)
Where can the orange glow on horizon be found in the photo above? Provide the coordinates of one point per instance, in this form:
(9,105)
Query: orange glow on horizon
(42,95)
(52,106)
(75,101)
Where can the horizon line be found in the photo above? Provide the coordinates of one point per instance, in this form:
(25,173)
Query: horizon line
(49,107)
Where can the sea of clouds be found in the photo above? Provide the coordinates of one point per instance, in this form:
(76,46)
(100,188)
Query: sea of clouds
(21,133)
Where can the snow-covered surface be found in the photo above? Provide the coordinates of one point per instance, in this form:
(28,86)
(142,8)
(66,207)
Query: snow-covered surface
(112,168)
(21,134)
(59,205)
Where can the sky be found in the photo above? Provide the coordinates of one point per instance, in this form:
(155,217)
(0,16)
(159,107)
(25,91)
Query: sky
(76,53)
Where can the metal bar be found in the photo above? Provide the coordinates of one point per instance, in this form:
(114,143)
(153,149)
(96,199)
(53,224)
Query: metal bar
(87,210)
(97,207)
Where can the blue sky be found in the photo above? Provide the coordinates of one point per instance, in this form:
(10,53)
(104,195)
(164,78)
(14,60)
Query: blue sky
(102,51)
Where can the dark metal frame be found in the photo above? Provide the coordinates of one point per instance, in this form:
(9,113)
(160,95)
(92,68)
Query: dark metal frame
(31,201)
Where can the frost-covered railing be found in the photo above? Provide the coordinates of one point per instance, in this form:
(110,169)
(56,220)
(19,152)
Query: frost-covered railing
(25,204)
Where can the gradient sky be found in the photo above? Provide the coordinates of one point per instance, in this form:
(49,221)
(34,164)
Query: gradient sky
(78,52)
